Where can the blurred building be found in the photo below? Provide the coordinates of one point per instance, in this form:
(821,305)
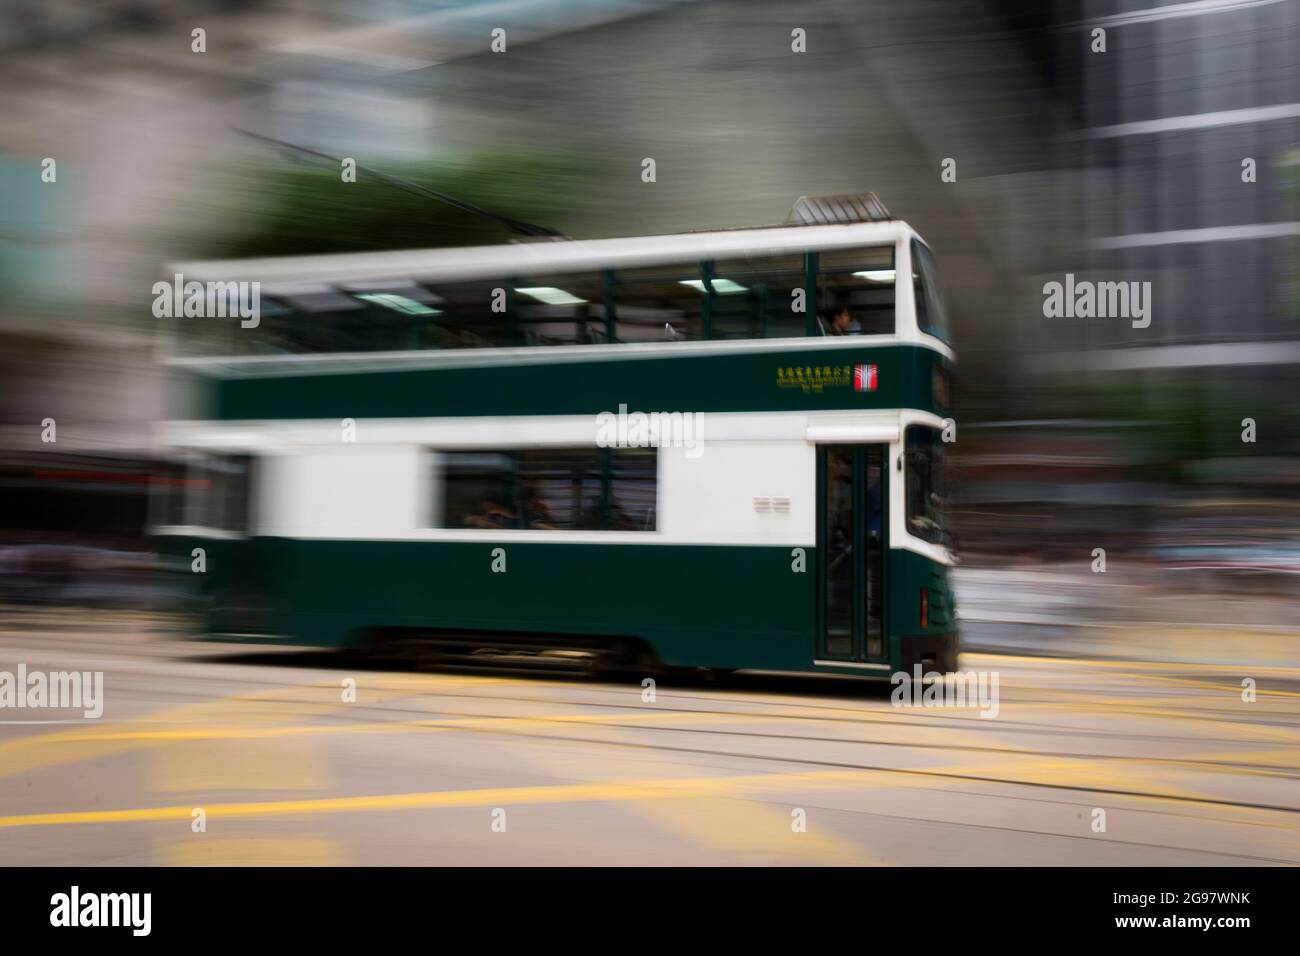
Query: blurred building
(1184,95)
(1181,150)
(109,126)
(1186,140)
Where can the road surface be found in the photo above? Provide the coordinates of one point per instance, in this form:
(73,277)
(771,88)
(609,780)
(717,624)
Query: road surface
(221,754)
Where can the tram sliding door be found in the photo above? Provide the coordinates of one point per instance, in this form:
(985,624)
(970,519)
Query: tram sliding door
(851,523)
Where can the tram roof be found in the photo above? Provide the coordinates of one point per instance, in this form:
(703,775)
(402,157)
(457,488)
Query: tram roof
(542,257)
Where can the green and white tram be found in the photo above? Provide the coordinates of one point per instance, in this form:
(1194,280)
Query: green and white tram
(637,449)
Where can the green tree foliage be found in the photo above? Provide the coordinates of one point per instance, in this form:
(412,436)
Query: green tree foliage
(292,208)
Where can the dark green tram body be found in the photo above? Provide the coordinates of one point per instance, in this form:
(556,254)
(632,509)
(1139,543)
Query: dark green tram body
(726,606)
(460,484)
(692,605)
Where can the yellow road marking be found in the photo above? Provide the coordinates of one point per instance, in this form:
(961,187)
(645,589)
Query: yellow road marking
(745,829)
(1055,773)
(212,766)
(735,826)
(668,788)
(607,723)
(96,741)
(379,727)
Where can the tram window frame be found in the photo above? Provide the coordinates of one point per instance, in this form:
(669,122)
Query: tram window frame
(836,268)
(601,483)
(925,485)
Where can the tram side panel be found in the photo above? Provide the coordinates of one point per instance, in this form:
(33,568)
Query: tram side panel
(343,547)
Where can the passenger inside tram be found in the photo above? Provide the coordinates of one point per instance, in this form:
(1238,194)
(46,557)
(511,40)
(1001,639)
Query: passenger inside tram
(838,320)
(492,514)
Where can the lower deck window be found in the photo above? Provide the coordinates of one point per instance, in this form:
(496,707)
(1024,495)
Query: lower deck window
(548,489)
(925,484)
(209,491)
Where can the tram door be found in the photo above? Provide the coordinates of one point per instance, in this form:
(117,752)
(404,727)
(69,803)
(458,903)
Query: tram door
(852,503)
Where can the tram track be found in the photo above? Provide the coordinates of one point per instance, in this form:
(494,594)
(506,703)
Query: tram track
(380,715)
(768,728)
(854,718)
(839,714)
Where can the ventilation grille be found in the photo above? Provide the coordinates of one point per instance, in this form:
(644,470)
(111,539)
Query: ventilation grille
(828,210)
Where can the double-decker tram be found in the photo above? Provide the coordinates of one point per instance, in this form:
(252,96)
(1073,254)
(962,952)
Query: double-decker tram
(716,450)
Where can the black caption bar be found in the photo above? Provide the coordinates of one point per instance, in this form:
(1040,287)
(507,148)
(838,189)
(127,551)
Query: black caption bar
(132,906)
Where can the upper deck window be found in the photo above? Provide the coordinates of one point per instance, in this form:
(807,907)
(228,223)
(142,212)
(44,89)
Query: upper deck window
(362,318)
(931,310)
(490,313)
(755,297)
(559,309)
(659,303)
(739,296)
(472,315)
(855,291)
